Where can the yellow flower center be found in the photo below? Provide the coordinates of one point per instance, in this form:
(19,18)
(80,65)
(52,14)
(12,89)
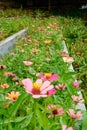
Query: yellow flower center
(37,85)
(67,59)
(48,75)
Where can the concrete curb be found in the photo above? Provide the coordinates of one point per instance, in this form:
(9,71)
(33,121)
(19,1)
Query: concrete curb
(9,42)
(80,106)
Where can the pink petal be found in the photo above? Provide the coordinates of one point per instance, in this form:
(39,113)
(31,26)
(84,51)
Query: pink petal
(27,85)
(76,84)
(41,76)
(70,128)
(47,89)
(51,92)
(45,85)
(39,81)
(64,127)
(38,96)
(71,112)
(54,77)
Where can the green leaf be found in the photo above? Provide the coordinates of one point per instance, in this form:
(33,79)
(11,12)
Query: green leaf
(18,119)
(84,122)
(17,104)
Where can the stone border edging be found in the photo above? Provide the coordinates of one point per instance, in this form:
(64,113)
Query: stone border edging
(9,42)
(80,106)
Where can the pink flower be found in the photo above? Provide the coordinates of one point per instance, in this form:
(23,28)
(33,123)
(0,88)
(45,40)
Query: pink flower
(22,51)
(68,59)
(64,127)
(77,99)
(55,110)
(23,38)
(39,88)
(0,33)
(48,76)
(60,86)
(27,63)
(76,84)
(72,114)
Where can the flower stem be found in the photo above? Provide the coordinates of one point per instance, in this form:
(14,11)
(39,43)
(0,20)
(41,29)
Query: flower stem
(34,115)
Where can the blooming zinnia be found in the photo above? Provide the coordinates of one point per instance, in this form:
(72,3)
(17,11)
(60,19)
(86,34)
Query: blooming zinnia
(39,88)
(74,115)
(68,59)
(60,86)
(47,41)
(9,74)
(13,96)
(27,63)
(77,99)
(4,86)
(48,76)
(76,84)
(64,127)
(55,110)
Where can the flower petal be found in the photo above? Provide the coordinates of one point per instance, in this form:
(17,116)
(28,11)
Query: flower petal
(27,85)
(54,77)
(64,127)
(45,85)
(41,76)
(38,96)
(47,89)
(39,81)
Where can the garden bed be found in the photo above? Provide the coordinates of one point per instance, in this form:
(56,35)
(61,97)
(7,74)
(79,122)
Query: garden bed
(37,89)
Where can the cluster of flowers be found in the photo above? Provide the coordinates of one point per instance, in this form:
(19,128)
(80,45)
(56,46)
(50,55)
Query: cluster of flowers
(43,87)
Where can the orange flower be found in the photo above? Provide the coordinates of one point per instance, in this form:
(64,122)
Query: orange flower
(47,41)
(4,86)
(9,74)
(35,51)
(13,96)
(14,78)
(27,63)
(25,44)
